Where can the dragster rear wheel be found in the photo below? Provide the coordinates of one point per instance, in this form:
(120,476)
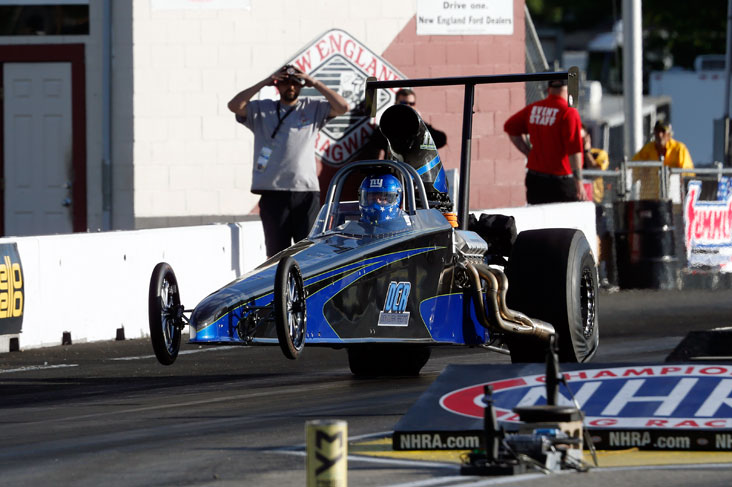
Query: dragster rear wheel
(552,276)
(290,308)
(165,313)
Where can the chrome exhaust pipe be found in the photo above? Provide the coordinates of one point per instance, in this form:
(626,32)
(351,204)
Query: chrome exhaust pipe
(500,316)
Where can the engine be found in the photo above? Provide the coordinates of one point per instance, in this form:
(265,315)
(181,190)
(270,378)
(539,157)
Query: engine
(471,246)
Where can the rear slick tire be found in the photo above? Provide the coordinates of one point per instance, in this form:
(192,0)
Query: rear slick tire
(552,276)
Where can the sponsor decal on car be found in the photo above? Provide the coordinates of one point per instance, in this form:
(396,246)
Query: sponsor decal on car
(394,312)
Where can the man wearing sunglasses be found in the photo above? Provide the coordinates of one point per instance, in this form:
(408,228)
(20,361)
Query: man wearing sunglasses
(284,171)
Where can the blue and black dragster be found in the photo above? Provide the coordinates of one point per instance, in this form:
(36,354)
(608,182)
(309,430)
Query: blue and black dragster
(389,292)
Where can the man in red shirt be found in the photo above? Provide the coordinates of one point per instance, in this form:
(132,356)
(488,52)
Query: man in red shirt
(554,147)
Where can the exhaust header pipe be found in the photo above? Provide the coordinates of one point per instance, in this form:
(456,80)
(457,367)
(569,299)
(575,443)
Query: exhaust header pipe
(500,316)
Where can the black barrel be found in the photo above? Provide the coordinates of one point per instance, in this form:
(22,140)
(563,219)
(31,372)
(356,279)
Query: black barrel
(645,244)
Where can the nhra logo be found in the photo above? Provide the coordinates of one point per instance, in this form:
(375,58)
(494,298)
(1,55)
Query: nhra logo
(343,63)
(394,312)
(662,396)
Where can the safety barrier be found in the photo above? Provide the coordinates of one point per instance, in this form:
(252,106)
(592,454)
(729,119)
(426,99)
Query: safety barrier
(88,286)
(94,286)
(649,228)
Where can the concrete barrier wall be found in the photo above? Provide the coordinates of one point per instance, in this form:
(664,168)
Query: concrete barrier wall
(556,215)
(92,284)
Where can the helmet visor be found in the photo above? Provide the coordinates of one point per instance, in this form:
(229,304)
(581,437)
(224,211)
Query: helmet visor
(380,198)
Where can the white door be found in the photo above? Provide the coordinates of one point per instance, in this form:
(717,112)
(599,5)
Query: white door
(37,142)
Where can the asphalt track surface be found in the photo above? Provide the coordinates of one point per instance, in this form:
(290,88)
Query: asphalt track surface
(108,414)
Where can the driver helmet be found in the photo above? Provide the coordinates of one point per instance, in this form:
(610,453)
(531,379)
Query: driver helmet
(379,198)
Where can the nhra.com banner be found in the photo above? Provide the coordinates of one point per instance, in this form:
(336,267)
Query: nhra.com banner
(651,407)
(11,290)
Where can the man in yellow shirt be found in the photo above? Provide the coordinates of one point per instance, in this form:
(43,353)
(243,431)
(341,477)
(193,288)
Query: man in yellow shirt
(664,148)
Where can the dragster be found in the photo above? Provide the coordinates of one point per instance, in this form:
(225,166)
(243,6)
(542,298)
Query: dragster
(389,293)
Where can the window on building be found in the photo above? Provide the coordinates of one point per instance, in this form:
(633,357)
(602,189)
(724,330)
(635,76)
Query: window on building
(28,19)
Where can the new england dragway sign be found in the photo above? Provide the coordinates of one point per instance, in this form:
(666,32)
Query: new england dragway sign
(669,406)
(343,63)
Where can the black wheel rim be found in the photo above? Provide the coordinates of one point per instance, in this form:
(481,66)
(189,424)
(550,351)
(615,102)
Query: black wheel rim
(295,309)
(588,300)
(168,315)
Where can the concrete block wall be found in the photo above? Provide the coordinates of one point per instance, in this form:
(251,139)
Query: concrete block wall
(498,169)
(191,159)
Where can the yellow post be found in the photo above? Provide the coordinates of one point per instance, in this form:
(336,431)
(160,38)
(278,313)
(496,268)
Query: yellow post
(327,453)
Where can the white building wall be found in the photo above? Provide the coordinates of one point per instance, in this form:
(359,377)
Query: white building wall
(190,156)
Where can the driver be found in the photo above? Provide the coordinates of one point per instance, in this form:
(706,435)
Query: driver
(379,199)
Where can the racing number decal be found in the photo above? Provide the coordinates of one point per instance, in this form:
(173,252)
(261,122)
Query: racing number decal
(394,313)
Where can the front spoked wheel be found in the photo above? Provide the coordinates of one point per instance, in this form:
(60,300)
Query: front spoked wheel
(289,308)
(165,314)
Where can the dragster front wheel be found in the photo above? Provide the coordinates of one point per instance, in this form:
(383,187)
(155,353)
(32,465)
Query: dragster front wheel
(165,314)
(289,307)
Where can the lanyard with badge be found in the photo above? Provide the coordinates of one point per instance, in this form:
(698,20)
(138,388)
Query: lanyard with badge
(266,151)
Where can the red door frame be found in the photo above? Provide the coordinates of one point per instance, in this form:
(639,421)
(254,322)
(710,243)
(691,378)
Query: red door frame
(44,53)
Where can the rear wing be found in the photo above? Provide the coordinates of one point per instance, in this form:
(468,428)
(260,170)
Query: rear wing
(469,82)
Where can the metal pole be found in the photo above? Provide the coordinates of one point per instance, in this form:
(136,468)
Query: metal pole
(727,68)
(728,59)
(632,76)
(107,187)
(464,190)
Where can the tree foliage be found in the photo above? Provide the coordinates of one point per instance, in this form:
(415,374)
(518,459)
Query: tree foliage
(685,28)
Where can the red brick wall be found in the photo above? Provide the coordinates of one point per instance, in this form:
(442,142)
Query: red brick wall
(497,170)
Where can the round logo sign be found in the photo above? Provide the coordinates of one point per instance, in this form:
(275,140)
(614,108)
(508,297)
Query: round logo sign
(660,396)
